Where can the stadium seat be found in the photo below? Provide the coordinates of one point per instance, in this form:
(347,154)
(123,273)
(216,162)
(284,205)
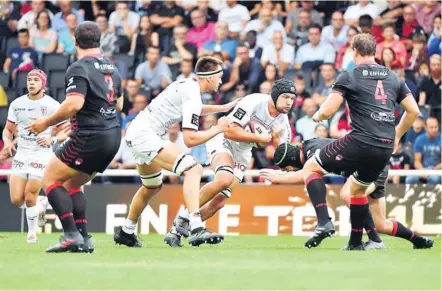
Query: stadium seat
(60,95)
(3,115)
(4,79)
(20,80)
(56,79)
(12,42)
(12,94)
(54,62)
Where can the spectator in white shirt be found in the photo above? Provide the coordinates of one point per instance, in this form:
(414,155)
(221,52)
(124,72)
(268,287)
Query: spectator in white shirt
(122,21)
(336,33)
(278,53)
(293,17)
(306,125)
(353,12)
(265,26)
(236,15)
(186,69)
(27,21)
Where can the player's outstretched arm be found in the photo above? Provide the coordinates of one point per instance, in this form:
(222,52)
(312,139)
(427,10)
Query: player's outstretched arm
(329,107)
(211,109)
(193,138)
(279,177)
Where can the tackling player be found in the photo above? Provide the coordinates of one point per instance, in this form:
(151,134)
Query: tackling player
(230,154)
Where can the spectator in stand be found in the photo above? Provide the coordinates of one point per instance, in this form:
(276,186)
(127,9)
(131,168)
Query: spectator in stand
(66,38)
(307,6)
(186,69)
(299,34)
(418,53)
(153,73)
(434,42)
(415,131)
(424,71)
(166,18)
(131,90)
(391,42)
(387,57)
(265,88)
(202,31)
(265,26)
(9,17)
(27,21)
(42,38)
(22,58)
(392,13)
(204,6)
(425,14)
(139,103)
(366,26)
(321,131)
(108,41)
(271,75)
(147,7)
(335,33)
(436,28)
(430,88)
(236,15)
(340,124)
(59,22)
(398,68)
(409,27)
(306,125)
(278,53)
(254,50)
(124,22)
(302,93)
(179,49)
(399,161)
(221,44)
(315,52)
(427,153)
(143,38)
(324,87)
(344,57)
(363,7)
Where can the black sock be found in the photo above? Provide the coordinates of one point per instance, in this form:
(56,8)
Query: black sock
(370,228)
(317,191)
(358,213)
(60,201)
(399,230)
(79,206)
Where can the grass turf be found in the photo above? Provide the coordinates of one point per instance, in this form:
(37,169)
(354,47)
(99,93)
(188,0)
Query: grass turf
(244,262)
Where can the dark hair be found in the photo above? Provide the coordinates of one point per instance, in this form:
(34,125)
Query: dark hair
(24,30)
(315,25)
(87,35)
(148,35)
(364,44)
(329,64)
(242,44)
(365,21)
(207,64)
(100,15)
(153,47)
(389,25)
(354,28)
(381,61)
(38,16)
(417,37)
(187,61)
(299,77)
(121,2)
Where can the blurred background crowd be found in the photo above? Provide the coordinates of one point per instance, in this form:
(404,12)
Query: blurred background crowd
(154,43)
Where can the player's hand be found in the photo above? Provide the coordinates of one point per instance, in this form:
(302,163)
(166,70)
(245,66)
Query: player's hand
(39,125)
(223,123)
(264,139)
(396,145)
(45,142)
(8,150)
(277,133)
(271,175)
(232,104)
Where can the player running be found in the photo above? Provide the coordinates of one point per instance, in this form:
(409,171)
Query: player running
(293,157)
(33,151)
(230,154)
(179,102)
(93,96)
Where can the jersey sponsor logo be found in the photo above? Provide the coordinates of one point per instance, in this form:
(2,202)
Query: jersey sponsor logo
(195,120)
(38,166)
(28,137)
(239,114)
(44,110)
(241,167)
(78,161)
(383,116)
(104,66)
(19,109)
(31,109)
(17,164)
(70,81)
(364,73)
(377,73)
(71,88)
(107,112)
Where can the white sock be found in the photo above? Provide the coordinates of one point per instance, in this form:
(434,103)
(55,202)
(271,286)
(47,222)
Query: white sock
(129,226)
(195,220)
(183,213)
(23,206)
(31,216)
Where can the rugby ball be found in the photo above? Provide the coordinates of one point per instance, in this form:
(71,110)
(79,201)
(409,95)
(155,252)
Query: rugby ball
(258,129)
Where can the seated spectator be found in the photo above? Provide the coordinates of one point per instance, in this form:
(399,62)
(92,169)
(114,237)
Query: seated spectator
(147,7)
(436,28)
(425,13)
(130,92)
(366,26)
(344,57)
(418,53)
(409,27)
(278,53)
(254,50)
(22,58)
(324,88)
(424,71)
(321,131)
(430,88)
(305,126)
(434,42)
(202,31)
(9,17)
(276,8)
(388,56)
(166,17)
(139,103)
(59,22)
(335,33)
(271,75)
(153,73)
(124,22)
(27,21)
(265,26)
(390,42)
(315,51)
(42,38)
(221,44)
(427,153)
(236,15)
(340,124)
(302,93)
(143,38)
(398,68)
(399,161)
(108,41)
(66,39)
(299,34)
(207,9)
(363,7)
(415,131)
(392,13)
(293,18)
(186,69)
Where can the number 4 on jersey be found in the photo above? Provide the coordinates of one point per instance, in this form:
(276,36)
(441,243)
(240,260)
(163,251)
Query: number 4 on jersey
(110,84)
(379,93)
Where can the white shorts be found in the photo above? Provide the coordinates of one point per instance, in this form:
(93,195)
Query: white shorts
(30,165)
(241,158)
(144,144)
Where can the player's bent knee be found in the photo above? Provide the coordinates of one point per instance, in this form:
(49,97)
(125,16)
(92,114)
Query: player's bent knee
(185,163)
(17,201)
(224,176)
(153,181)
(30,198)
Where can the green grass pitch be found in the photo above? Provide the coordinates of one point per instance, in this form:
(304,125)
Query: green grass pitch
(240,263)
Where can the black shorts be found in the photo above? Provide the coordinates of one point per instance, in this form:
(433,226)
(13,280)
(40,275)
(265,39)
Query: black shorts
(349,156)
(90,151)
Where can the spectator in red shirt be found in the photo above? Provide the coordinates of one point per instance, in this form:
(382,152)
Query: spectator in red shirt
(409,27)
(366,26)
(390,42)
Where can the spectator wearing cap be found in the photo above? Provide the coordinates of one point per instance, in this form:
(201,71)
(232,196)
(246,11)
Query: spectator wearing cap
(166,17)
(202,31)
(306,6)
(324,88)
(398,68)
(255,51)
(409,27)
(425,14)
(391,42)
(66,39)
(278,53)
(108,41)
(430,88)
(27,21)
(59,22)
(363,7)
(335,33)
(265,26)
(42,37)
(221,44)
(21,58)
(344,56)
(236,15)
(299,34)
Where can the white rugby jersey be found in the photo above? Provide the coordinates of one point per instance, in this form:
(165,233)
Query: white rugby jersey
(180,101)
(254,107)
(21,110)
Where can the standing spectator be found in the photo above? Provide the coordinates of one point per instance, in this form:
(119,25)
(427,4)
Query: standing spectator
(124,22)
(236,15)
(336,33)
(22,58)
(186,69)
(60,19)
(27,21)
(409,27)
(278,53)
(399,161)
(143,38)
(363,7)
(166,18)
(425,13)
(153,73)
(42,38)
(265,26)
(221,44)
(325,86)
(108,41)
(390,42)
(299,33)
(202,30)
(344,57)
(255,51)
(293,17)
(66,40)
(427,153)
(430,88)
(306,125)
(387,57)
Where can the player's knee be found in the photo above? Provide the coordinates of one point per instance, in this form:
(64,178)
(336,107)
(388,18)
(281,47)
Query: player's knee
(152,182)
(224,176)
(30,198)
(381,225)
(186,164)
(17,200)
